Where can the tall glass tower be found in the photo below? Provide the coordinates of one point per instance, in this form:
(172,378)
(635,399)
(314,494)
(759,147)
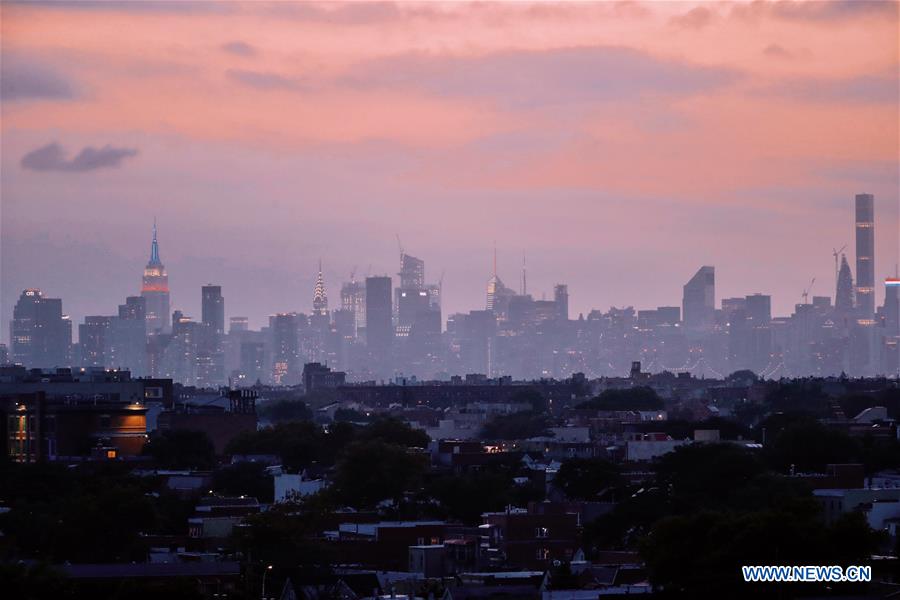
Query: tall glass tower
(865,255)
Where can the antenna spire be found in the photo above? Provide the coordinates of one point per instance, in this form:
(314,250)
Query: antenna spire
(524,279)
(154,247)
(495,258)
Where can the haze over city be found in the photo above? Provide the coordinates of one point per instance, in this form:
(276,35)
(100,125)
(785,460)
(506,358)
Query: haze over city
(449,300)
(616,146)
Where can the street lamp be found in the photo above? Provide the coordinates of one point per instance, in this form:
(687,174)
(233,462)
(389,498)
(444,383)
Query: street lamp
(266,572)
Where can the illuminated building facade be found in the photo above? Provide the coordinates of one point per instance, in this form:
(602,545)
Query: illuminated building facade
(320,296)
(353,300)
(155,291)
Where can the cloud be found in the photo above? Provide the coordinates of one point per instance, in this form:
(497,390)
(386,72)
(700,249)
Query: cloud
(52,157)
(874,88)
(24,79)
(777,51)
(239,48)
(528,78)
(831,10)
(696,18)
(265,80)
(349,13)
(187,7)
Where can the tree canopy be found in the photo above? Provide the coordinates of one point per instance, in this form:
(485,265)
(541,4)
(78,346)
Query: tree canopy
(179,449)
(636,398)
(517,426)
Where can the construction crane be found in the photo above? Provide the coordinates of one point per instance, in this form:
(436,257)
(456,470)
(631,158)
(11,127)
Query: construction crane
(807,290)
(836,267)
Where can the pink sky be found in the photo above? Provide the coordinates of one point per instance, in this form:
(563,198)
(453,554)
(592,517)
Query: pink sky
(620,145)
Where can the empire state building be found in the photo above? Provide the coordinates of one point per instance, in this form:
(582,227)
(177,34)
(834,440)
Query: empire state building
(155,291)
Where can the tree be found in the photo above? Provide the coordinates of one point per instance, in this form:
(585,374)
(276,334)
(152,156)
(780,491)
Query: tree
(37,581)
(809,446)
(532,397)
(706,475)
(799,395)
(700,555)
(351,415)
(585,478)
(742,377)
(372,471)
(637,398)
(180,449)
(245,479)
(517,426)
(469,495)
(89,513)
(284,411)
(394,431)
(284,538)
(298,443)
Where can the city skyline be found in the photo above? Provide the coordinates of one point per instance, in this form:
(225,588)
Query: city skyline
(652,133)
(379,330)
(320,281)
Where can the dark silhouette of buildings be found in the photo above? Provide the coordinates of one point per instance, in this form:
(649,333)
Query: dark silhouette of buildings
(843,299)
(40,333)
(213,308)
(317,376)
(379,320)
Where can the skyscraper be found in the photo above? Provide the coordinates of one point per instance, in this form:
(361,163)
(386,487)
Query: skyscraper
(285,348)
(699,299)
(94,338)
(379,321)
(210,357)
(892,306)
(155,290)
(411,298)
(41,335)
(353,299)
(561,297)
(865,255)
(498,295)
(412,272)
(128,337)
(320,297)
(239,324)
(843,296)
(213,308)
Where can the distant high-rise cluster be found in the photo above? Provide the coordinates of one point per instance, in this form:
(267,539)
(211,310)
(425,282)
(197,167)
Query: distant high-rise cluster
(380,331)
